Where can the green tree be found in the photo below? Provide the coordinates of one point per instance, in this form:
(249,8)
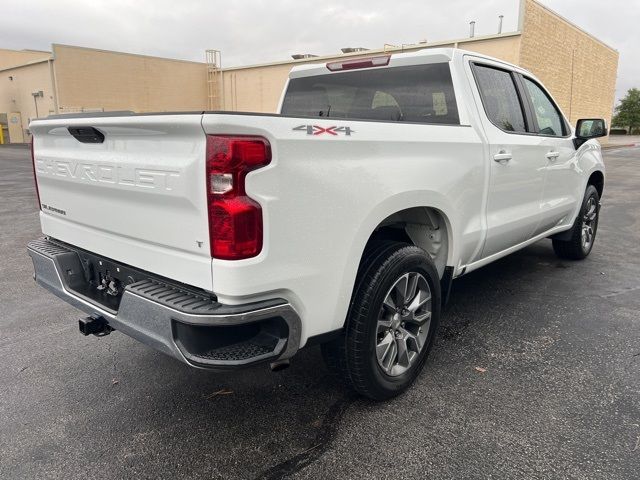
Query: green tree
(628,111)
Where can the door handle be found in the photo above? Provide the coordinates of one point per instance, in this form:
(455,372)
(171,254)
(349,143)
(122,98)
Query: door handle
(502,157)
(552,155)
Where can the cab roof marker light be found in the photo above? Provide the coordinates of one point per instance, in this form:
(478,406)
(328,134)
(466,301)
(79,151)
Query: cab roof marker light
(368,62)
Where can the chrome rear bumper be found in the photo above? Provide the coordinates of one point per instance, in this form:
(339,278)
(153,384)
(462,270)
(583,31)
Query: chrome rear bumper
(185,323)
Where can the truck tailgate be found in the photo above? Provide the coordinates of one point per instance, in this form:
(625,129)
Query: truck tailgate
(137,197)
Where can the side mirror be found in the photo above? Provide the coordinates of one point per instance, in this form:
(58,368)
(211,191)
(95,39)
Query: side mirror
(588,128)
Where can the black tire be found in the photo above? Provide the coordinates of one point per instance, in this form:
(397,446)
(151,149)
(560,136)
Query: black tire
(575,248)
(352,356)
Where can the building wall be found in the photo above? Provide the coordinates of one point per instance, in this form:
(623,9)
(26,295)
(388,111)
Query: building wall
(505,48)
(254,89)
(578,69)
(16,86)
(12,58)
(258,88)
(89,79)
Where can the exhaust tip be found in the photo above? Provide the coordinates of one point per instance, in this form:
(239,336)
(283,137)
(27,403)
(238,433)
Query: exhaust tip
(279,365)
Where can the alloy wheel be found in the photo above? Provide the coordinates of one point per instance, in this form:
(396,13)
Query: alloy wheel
(403,323)
(589,223)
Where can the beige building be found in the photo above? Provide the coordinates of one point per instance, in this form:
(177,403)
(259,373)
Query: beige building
(76,79)
(579,70)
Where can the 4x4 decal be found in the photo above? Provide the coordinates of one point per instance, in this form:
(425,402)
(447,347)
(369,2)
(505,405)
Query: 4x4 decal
(317,130)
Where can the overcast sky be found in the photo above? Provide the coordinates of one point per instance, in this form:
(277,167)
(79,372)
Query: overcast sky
(255,31)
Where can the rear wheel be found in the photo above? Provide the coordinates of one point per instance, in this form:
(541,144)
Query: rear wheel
(391,322)
(583,232)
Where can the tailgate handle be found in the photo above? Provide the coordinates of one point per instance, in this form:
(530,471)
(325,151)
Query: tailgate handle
(86,134)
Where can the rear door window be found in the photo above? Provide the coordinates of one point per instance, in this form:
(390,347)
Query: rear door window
(417,93)
(500,98)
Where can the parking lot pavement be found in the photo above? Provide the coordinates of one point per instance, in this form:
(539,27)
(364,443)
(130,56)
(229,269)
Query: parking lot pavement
(622,140)
(557,394)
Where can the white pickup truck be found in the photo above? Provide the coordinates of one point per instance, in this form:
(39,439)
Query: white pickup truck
(227,239)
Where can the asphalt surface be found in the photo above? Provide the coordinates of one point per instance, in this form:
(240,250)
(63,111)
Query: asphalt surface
(560,397)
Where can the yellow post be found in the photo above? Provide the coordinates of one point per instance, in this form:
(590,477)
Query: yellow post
(1,135)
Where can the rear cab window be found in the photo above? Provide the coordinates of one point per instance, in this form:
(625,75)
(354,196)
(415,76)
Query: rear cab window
(500,98)
(412,94)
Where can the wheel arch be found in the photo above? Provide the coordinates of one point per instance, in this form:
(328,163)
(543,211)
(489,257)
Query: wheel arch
(423,226)
(420,207)
(386,216)
(597,180)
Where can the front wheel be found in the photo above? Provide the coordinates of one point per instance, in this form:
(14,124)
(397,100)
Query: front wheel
(391,323)
(583,232)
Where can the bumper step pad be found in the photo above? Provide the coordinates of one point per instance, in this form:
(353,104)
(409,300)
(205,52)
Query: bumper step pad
(175,297)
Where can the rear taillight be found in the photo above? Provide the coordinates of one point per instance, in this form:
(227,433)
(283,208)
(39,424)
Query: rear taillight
(235,220)
(35,178)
